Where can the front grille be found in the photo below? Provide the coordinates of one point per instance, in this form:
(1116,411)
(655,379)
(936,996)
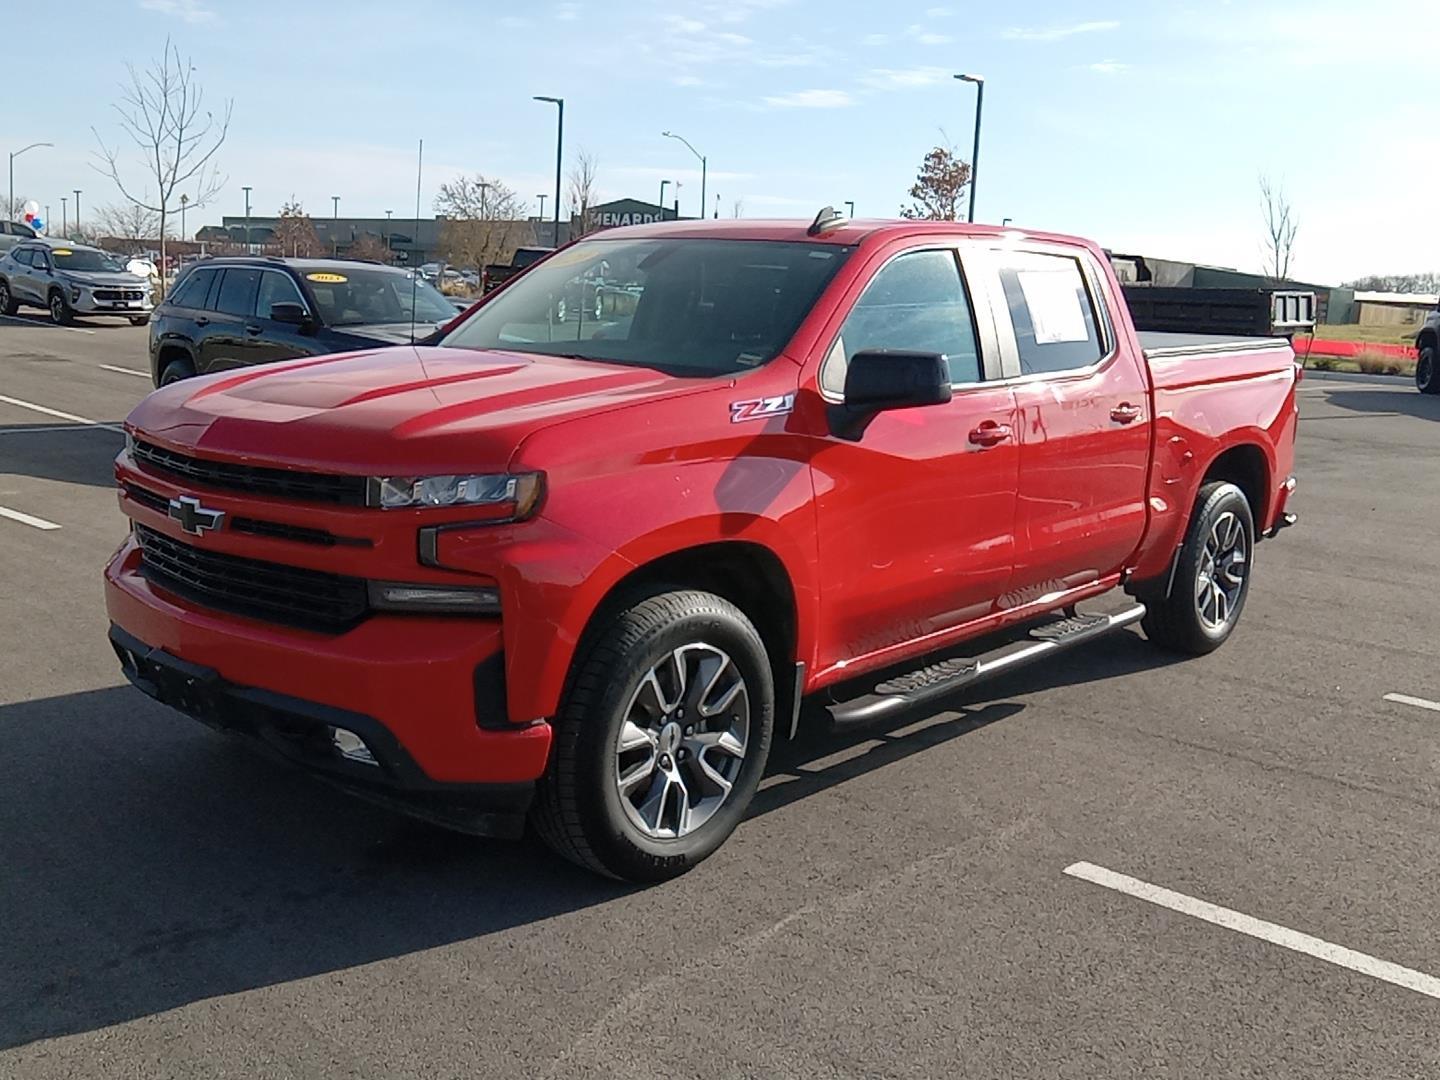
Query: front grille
(280,483)
(146,497)
(308,599)
(119,294)
(274,530)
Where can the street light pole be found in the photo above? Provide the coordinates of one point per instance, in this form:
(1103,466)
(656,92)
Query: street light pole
(979,81)
(184,202)
(64,218)
(703,166)
(387,229)
(10,207)
(850,205)
(77,209)
(663,185)
(247,221)
(335,226)
(559,103)
(542,197)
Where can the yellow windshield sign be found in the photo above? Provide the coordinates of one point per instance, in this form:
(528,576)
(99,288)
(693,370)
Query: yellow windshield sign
(327,278)
(62,251)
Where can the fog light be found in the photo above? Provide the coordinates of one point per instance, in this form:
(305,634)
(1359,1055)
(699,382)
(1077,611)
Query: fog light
(351,746)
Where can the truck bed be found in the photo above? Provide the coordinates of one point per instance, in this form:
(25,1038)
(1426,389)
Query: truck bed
(1158,344)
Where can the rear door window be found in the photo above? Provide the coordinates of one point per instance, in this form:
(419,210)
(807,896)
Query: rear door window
(1052,312)
(237,292)
(194,289)
(22,256)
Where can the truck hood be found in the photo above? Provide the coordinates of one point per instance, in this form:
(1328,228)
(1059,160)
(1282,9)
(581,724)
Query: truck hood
(407,410)
(105,279)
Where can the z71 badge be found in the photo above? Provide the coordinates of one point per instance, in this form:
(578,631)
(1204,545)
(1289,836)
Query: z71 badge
(762,408)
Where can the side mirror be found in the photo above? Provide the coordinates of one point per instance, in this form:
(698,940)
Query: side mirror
(294,314)
(882,379)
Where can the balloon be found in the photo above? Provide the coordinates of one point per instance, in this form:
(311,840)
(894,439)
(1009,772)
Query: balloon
(32,209)
(38,225)
(29,216)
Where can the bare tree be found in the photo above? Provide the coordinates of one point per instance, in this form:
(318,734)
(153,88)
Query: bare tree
(1281,226)
(128,221)
(483,221)
(16,208)
(582,191)
(162,112)
(367,246)
(938,187)
(295,232)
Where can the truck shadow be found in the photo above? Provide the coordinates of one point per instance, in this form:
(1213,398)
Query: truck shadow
(72,454)
(149,863)
(1402,402)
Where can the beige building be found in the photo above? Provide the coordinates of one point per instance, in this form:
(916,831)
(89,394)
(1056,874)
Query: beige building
(1394,309)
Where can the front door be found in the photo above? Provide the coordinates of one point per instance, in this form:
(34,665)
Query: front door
(274,340)
(1084,431)
(916,518)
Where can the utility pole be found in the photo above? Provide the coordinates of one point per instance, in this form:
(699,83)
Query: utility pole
(10,209)
(979,81)
(335,226)
(247,221)
(663,185)
(703,166)
(77,209)
(64,218)
(387,229)
(184,202)
(559,103)
(850,205)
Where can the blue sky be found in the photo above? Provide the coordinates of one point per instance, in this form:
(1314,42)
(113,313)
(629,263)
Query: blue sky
(1144,125)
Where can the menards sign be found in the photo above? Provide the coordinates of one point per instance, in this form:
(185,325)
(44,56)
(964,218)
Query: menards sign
(628,212)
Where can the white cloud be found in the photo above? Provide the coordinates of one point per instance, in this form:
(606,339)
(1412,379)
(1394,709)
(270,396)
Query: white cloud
(189,11)
(904,78)
(938,13)
(1058,33)
(568,12)
(681,25)
(811,99)
(933,39)
(1109,67)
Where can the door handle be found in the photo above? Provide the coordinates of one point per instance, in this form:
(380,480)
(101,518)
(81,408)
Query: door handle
(1125,413)
(252,328)
(201,320)
(990,434)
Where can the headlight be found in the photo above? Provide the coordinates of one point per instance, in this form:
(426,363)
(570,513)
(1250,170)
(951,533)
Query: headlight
(509,497)
(460,599)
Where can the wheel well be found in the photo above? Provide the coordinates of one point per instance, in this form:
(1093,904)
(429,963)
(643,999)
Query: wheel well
(1246,468)
(173,352)
(1427,337)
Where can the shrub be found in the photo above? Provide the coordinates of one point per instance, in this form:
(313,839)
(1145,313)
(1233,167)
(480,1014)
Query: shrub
(1324,363)
(1373,363)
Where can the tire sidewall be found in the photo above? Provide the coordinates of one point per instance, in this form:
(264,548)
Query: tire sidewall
(628,852)
(59,309)
(1425,374)
(6,300)
(1225,498)
(182,369)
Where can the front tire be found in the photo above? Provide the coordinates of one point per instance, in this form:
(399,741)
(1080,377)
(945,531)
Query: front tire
(1427,371)
(1212,576)
(61,313)
(661,739)
(175,371)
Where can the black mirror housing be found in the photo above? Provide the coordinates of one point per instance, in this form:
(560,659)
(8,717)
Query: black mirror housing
(879,380)
(292,313)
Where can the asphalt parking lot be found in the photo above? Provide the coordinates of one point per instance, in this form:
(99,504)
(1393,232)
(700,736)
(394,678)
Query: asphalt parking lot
(1249,838)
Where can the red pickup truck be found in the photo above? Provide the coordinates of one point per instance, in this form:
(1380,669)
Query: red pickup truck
(584,572)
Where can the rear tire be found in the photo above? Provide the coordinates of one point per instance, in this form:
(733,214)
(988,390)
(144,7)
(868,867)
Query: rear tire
(8,306)
(61,314)
(1212,575)
(642,783)
(176,370)
(1427,371)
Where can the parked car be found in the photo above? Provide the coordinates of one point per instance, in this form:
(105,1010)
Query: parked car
(1427,361)
(71,279)
(231,312)
(12,232)
(493,275)
(591,578)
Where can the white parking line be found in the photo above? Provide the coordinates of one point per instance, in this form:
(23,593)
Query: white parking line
(1259,928)
(46,429)
(26,519)
(125,370)
(1418,702)
(46,325)
(57,413)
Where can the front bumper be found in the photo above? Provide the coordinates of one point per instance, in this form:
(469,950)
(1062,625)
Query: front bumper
(416,680)
(87,304)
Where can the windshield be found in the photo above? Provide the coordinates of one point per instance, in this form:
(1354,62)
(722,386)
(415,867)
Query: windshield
(693,307)
(85,259)
(350,297)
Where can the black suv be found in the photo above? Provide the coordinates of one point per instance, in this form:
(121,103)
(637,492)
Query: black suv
(226,313)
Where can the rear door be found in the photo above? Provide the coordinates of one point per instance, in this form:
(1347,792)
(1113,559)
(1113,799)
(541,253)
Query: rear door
(916,518)
(226,342)
(35,276)
(21,285)
(1083,399)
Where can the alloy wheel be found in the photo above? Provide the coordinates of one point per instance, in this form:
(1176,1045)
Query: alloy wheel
(682,741)
(1222,571)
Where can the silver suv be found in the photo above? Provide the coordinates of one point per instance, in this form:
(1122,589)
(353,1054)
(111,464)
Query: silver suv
(12,232)
(71,279)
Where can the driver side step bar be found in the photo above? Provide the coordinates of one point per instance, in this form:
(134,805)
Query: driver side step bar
(908,689)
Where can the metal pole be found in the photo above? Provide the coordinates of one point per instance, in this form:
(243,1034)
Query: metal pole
(77,209)
(663,185)
(850,205)
(10,210)
(979,81)
(335,226)
(559,103)
(702,186)
(387,229)
(64,217)
(703,167)
(542,197)
(184,202)
(247,221)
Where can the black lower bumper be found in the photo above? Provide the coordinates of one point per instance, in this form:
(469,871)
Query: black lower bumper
(302,732)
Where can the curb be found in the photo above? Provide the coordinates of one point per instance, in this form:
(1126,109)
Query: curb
(1357,376)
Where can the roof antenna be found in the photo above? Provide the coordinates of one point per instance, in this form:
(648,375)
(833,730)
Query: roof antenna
(415,271)
(827,218)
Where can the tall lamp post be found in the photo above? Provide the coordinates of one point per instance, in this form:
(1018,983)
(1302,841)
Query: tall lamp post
(559,103)
(77,209)
(850,206)
(542,197)
(663,185)
(64,216)
(184,202)
(10,207)
(979,81)
(335,225)
(387,228)
(247,220)
(681,138)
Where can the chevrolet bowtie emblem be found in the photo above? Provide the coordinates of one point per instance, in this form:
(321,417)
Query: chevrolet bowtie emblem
(194,518)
